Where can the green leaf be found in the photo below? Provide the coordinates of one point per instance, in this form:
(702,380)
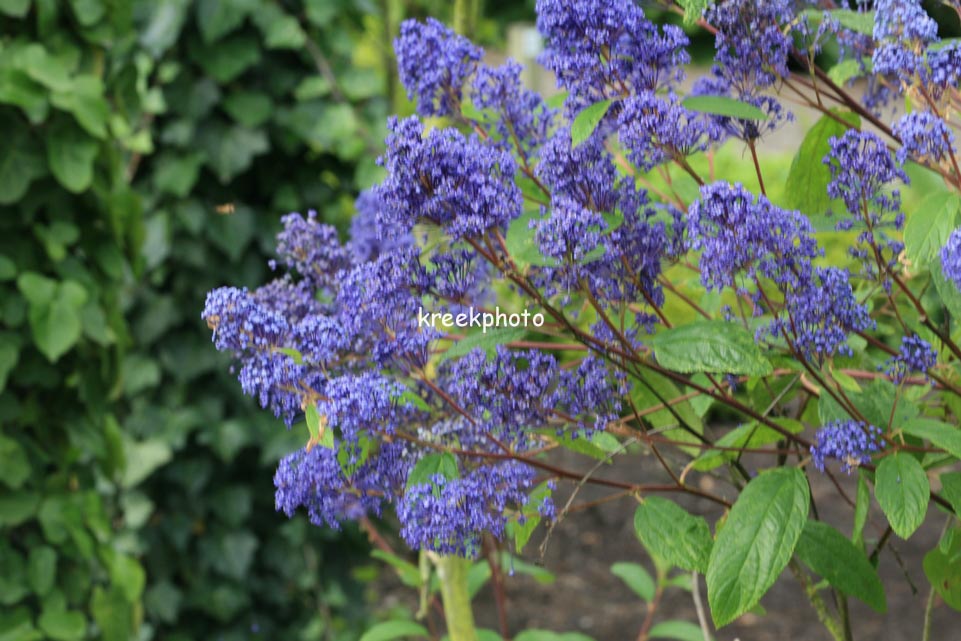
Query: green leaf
(756,542)
(126,574)
(88,12)
(808,178)
(930,224)
(17,88)
(249,108)
(848,69)
(693,10)
(750,435)
(42,569)
(320,434)
(679,630)
(217,18)
(858,21)
(519,566)
(951,489)
(724,106)
(14,8)
(142,459)
(280,30)
(901,488)
(17,507)
(942,566)
(224,61)
(63,625)
(70,154)
(14,464)
(598,446)
(587,120)
(406,571)
(230,151)
(57,325)
(709,346)
(522,243)
(875,403)
(113,614)
(394,630)
(947,437)
(21,162)
(669,532)
(17,625)
(861,508)
(831,555)
(84,99)
(487,341)
(442,463)
(636,577)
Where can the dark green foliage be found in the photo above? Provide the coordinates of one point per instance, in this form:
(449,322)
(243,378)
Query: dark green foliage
(146,151)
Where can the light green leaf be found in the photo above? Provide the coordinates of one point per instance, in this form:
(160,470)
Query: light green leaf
(217,18)
(709,346)
(487,341)
(858,21)
(750,435)
(225,60)
(113,614)
(442,463)
(522,243)
(947,437)
(942,566)
(930,224)
(142,459)
(17,625)
(58,325)
(407,572)
(670,533)
(249,108)
(679,630)
(901,488)
(84,99)
(14,8)
(14,464)
(848,69)
(587,120)
(756,542)
(693,10)
(17,88)
(394,630)
(62,625)
(42,569)
(70,154)
(831,555)
(636,577)
(723,106)
(861,507)
(951,489)
(808,178)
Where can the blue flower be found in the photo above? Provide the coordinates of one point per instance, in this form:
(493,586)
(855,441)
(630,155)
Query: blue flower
(851,442)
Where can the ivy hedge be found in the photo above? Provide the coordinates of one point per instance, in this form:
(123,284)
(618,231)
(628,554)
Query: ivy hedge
(146,151)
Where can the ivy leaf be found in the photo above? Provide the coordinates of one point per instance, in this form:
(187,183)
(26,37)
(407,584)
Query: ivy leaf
(709,346)
(63,625)
(901,488)
(217,18)
(756,542)
(16,466)
(84,100)
(723,106)
(930,224)
(672,534)
(70,154)
(21,162)
(808,178)
(587,121)
(831,555)
(637,579)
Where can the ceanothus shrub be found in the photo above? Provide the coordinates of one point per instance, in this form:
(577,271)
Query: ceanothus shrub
(822,323)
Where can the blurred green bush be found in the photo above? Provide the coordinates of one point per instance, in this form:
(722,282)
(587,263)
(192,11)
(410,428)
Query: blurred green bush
(146,150)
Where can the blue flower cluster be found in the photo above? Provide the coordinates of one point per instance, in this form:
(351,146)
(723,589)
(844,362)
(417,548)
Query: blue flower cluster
(851,442)
(951,258)
(915,355)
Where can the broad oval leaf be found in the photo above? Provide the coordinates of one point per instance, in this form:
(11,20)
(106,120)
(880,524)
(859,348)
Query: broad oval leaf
(756,542)
(807,181)
(832,555)
(947,437)
(902,490)
(442,463)
(637,579)
(710,346)
(930,224)
(678,630)
(672,534)
(587,120)
(724,106)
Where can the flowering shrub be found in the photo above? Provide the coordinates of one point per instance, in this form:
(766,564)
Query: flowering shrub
(671,296)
